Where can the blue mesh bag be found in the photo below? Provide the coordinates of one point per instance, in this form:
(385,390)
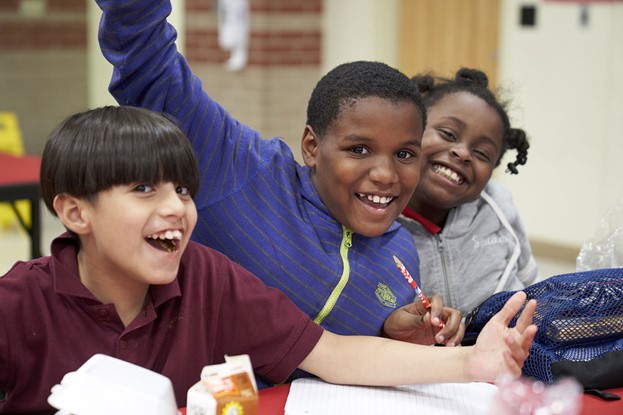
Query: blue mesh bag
(580,320)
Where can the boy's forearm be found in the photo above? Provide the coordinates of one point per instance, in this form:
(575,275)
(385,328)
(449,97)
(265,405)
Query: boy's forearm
(135,38)
(362,360)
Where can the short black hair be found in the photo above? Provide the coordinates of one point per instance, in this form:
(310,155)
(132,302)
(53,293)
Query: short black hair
(94,150)
(349,82)
(475,82)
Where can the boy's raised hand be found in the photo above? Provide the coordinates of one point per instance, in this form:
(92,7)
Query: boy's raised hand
(501,350)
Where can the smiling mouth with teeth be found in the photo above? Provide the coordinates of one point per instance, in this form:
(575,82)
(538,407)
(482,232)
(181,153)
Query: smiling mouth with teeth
(166,241)
(381,201)
(449,174)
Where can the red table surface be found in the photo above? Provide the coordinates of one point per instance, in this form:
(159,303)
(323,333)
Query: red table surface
(592,405)
(19,169)
(273,401)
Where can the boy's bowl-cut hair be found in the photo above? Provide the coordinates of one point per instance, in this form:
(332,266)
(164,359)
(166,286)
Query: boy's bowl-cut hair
(97,149)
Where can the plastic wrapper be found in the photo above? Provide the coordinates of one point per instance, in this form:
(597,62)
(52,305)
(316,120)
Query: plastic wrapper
(605,249)
(524,396)
(105,385)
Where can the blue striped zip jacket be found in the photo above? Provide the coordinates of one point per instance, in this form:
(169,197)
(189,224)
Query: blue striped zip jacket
(256,204)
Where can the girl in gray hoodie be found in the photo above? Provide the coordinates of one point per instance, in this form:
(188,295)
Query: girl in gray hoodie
(468,233)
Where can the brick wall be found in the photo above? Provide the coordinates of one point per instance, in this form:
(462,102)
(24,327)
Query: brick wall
(271,93)
(29,25)
(42,64)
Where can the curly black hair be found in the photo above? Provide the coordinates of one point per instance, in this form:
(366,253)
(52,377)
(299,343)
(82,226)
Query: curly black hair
(349,82)
(475,82)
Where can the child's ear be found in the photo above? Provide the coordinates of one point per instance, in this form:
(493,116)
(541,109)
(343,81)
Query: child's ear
(71,212)
(309,147)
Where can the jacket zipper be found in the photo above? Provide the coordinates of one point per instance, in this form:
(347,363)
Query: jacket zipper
(444,270)
(347,242)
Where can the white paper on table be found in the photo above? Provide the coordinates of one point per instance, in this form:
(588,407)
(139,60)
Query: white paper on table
(311,396)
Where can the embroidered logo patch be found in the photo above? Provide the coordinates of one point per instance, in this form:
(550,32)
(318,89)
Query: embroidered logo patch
(385,296)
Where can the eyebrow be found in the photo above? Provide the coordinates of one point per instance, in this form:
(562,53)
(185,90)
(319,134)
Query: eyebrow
(455,119)
(359,138)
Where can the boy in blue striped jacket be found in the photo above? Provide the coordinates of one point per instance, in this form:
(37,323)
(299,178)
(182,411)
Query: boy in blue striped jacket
(324,233)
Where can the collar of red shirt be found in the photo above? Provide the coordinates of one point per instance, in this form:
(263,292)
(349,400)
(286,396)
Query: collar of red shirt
(428,225)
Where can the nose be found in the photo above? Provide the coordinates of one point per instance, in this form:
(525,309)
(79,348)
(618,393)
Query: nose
(384,171)
(171,203)
(462,153)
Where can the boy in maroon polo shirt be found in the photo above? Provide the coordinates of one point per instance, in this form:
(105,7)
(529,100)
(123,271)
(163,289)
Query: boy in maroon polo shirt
(126,281)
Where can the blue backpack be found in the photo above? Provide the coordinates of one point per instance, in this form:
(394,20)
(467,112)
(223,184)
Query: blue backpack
(580,320)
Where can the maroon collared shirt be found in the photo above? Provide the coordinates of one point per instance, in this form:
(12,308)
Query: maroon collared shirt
(50,324)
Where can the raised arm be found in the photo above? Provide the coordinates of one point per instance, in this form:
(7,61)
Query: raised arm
(149,72)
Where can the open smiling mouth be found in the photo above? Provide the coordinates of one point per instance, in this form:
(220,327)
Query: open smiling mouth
(165,241)
(376,201)
(449,174)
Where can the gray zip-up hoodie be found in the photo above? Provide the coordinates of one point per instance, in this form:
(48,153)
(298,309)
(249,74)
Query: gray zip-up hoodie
(482,249)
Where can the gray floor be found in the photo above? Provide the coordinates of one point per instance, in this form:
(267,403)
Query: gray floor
(15,246)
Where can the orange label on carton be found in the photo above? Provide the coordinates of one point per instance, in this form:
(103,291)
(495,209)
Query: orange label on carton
(235,395)
(225,389)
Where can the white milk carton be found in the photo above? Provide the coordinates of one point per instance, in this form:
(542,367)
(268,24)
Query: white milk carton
(225,389)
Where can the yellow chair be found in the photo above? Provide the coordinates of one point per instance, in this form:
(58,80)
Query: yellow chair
(11,143)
